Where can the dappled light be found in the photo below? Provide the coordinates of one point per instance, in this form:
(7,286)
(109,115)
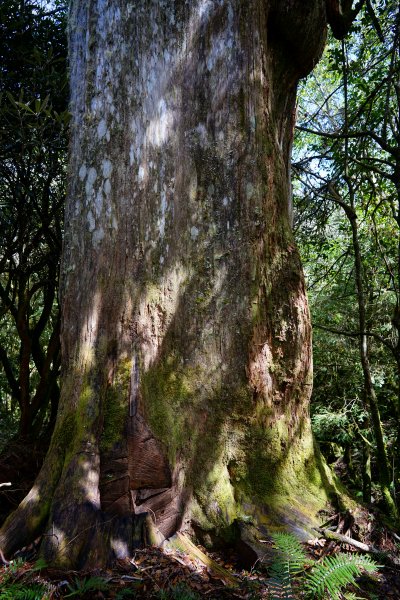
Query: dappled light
(174,338)
(88,335)
(120,548)
(90,483)
(185,331)
(32,498)
(58,542)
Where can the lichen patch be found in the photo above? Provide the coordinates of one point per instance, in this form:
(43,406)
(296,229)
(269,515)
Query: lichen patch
(101,129)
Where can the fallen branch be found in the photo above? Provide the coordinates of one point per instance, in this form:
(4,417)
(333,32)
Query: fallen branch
(183,543)
(344,539)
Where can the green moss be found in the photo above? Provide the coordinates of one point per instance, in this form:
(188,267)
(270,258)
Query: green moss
(167,390)
(39,514)
(283,473)
(216,496)
(65,431)
(237,453)
(261,469)
(203,299)
(239,401)
(115,411)
(85,400)
(198,516)
(64,439)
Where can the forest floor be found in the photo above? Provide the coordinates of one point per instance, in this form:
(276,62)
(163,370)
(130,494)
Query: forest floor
(170,574)
(192,572)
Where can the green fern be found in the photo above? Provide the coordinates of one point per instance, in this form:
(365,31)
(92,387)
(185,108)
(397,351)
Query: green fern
(182,592)
(23,591)
(26,588)
(89,584)
(178,592)
(15,565)
(326,579)
(289,561)
(40,564)
(335,572)
(127,593)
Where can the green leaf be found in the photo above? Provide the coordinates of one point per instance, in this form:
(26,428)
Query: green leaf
(335,572)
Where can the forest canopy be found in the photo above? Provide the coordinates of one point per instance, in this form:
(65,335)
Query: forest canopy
(346,181)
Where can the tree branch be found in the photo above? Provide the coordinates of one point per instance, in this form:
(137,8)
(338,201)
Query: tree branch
(355,334)
(344,539)
(12,382)
(341,14)
(394,151)
(351,215)
(375,21)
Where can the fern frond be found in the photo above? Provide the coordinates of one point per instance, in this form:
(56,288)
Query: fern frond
(39,565)
(289,560)
(280,590)
(23,591)
(88,584)
(290,552)
(335,572)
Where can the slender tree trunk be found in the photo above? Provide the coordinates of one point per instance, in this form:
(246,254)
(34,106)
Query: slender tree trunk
(366,472)
(186,338)
(384,474)
(24,361)
(396,313)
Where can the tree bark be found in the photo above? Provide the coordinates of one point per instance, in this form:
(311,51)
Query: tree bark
(186,340)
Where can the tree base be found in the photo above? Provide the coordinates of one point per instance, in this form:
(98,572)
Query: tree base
(219,502)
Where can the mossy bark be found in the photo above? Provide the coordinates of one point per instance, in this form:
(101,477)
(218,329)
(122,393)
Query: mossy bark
(186,337)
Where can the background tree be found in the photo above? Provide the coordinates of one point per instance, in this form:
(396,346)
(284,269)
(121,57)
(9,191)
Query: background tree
(185,333)
(33,119)
(33,129)
(354,136)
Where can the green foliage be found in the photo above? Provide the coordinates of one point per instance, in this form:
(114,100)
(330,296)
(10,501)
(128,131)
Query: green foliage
(25,585)
(40,564)
(33,134)
(329,576)
(331,425)
(130,592)
(345,164)
(14,566)
(80,587)
(289,561)
(24,591)
(335,572)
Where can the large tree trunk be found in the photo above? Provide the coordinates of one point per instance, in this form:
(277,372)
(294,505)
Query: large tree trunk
(186,338)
